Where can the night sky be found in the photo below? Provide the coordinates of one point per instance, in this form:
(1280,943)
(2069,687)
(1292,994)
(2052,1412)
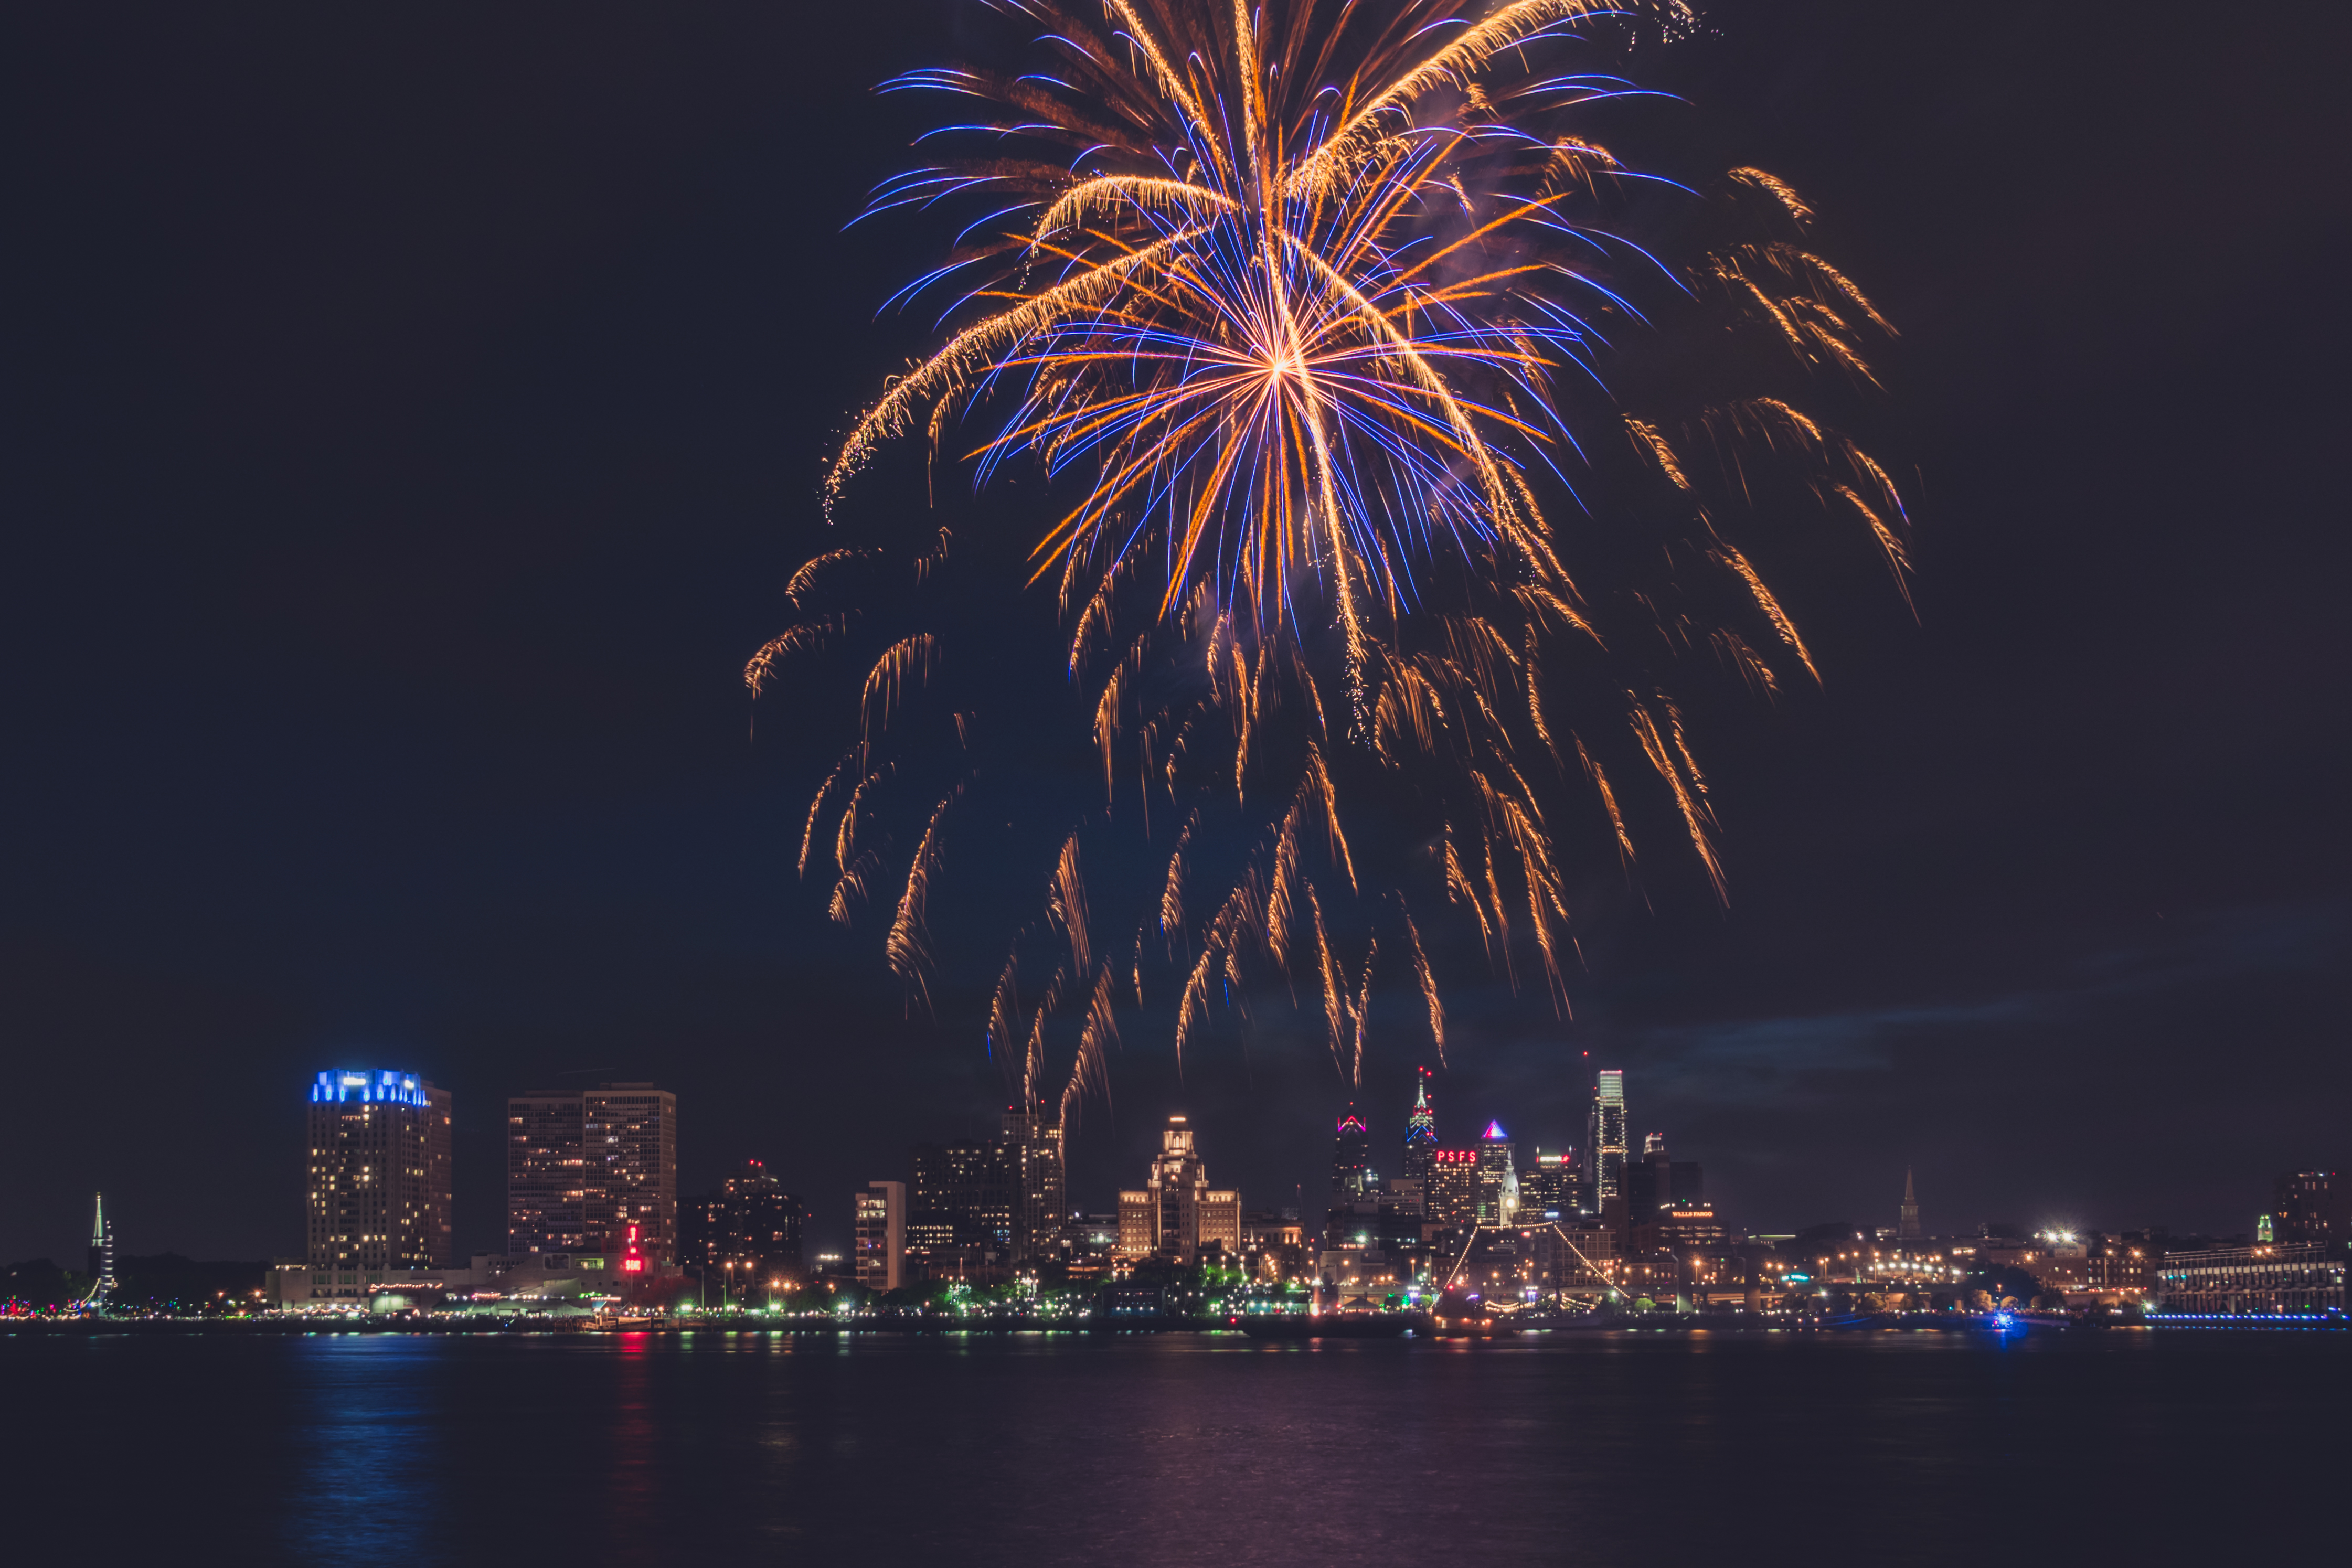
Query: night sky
(411,423)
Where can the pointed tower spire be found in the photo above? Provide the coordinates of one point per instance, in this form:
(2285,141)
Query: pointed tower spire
(1420,1132)
(102,1256)
(1908,1230)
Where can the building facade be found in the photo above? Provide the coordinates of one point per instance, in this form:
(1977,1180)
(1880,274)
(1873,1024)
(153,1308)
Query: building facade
(1042,1180)
(534,1281)
(1451,1199)
(1605,1143)
(378,1190)
(1176,1213)
(878,1230)
(2303,1280)
(584,1165)
(2310,1205)
(1548,1189)
(1659,1181)
(964,1207)
(747,1228)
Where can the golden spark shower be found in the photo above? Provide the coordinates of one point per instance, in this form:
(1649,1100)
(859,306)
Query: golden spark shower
(1400,460)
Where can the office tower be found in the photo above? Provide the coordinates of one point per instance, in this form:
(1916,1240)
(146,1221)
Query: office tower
(1650,1180)
(879,1229)
(1176,1213)
(1908,1230)
(1452,1200)
(1498,1177)
(1547,1191)
(2312,1206)
(1605,1144)
(962,1209)
(1352,1158)
(1420,1132)
(378,1194)
(102,1256)
(1041,1182)
(748,1220)
(584,1165)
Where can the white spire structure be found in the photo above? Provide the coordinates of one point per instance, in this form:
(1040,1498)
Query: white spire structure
(102,1258)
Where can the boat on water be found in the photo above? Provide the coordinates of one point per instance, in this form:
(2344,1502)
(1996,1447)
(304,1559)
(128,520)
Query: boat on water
(1466,1315)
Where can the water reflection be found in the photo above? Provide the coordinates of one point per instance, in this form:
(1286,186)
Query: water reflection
(1146,1451)
(363,1427)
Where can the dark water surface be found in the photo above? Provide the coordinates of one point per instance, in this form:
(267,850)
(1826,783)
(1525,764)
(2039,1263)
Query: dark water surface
(1176,1449)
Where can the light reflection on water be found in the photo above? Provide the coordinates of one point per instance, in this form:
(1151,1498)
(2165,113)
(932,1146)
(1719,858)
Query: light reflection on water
(1161,1451)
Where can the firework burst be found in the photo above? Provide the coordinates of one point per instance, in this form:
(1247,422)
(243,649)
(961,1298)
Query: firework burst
(1321,319)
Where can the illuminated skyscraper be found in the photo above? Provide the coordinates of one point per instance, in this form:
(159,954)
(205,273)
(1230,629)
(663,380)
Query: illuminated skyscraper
(1498,1177)
(1352,1158)
(1420,1132)
(1605,1145)
(963,1206)
(1549,1190)
(378,1190)
(1452,1196)
(1176,1213)
(1036,1139)
(584,1165)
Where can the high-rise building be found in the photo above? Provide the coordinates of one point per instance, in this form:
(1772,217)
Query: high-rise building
(878,1227)
(1605,1143)
(1040,1179)
(1498,1177)
(964,1206)
(1176,1213)
(1908,1230)
(1547,1190)
(1659,1181)
(748,1221)
(584,1165)
(1451,1198)
(1420,1132)
(1351,1158)
(378,1192)
(2312,1206)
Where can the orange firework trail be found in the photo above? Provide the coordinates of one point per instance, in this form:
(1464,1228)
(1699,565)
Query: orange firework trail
(1320,319)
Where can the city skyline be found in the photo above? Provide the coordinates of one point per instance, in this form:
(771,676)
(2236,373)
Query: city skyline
(1014,1190)
(1610,1103)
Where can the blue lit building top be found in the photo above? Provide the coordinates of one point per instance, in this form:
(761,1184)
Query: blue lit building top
(349,1086)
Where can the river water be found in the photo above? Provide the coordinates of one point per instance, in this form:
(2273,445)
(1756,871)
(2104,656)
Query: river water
(1587,1448)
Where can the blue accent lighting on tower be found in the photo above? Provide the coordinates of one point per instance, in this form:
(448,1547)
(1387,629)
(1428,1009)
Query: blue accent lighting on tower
(376,1088)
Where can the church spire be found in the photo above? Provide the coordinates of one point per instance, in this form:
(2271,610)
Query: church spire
(1909,1229)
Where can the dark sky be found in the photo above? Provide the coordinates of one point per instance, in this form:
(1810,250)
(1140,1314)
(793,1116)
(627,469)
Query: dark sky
(411,423)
